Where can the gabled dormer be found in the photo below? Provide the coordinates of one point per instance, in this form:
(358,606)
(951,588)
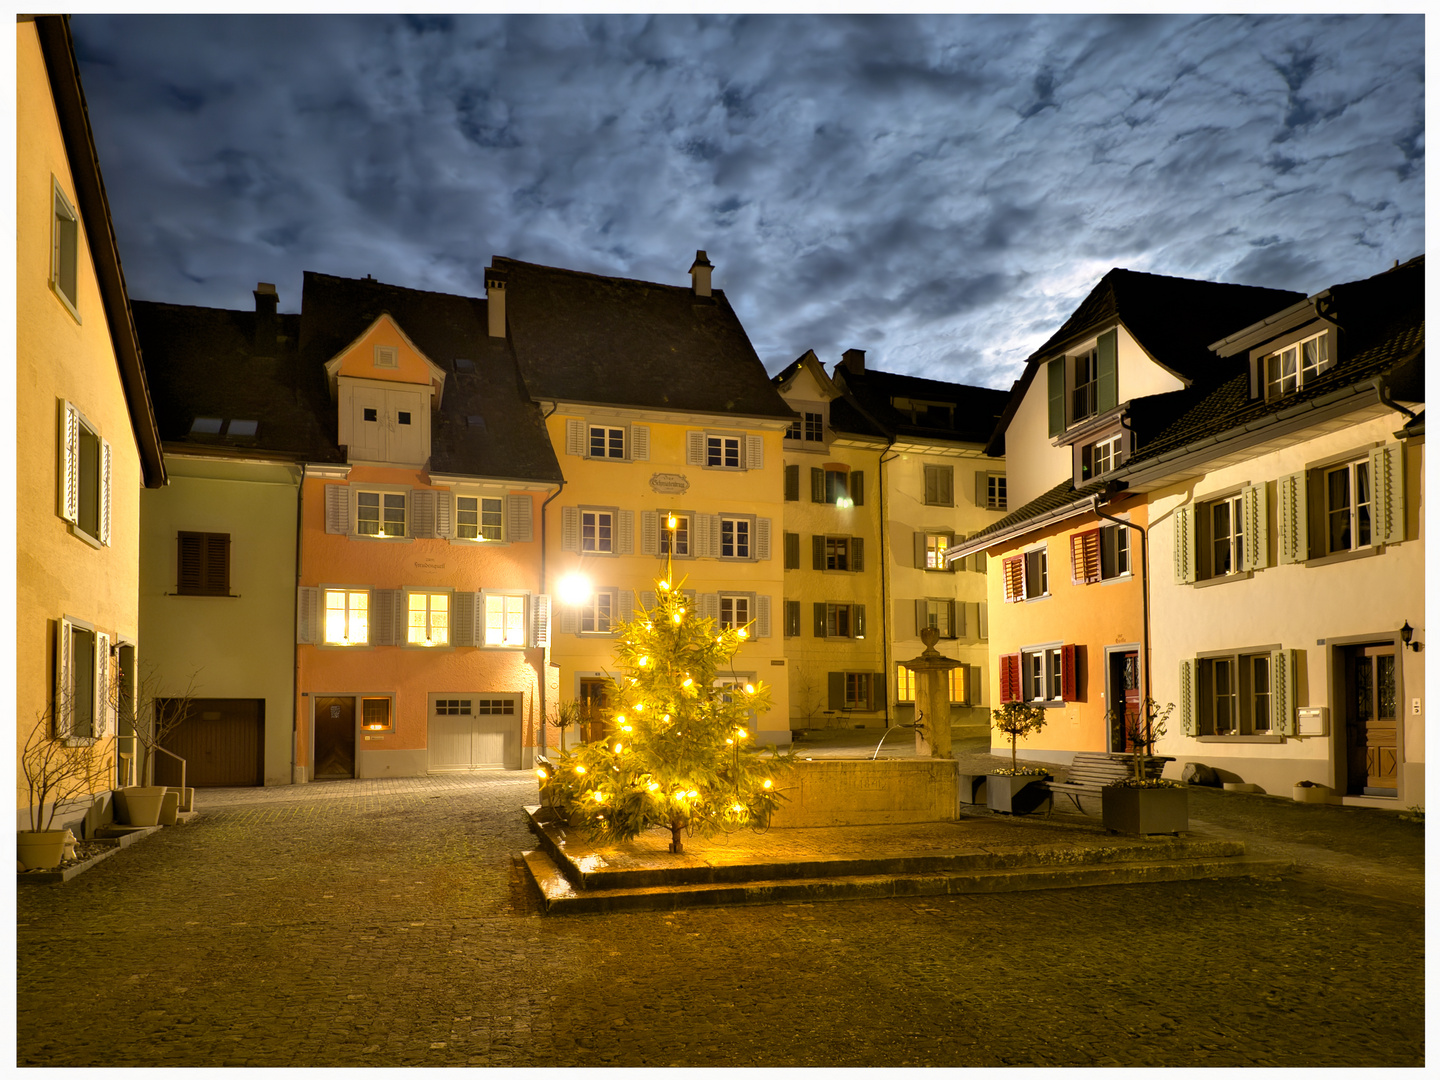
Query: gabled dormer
(387,391)
(808,390)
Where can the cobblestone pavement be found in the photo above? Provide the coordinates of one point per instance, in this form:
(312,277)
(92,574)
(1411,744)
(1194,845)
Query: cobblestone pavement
(385,923)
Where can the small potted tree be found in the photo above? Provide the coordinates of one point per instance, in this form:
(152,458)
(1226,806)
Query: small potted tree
(1140,803)
(55,773)
(1017,790)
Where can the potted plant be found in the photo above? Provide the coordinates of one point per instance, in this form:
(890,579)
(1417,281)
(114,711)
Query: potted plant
(1140,804)
(1016,790)
(57,771)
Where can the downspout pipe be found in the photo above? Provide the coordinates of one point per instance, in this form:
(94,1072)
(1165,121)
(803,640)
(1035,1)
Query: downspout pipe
(886,639)
(1144,593)
(294,619)
(545,654)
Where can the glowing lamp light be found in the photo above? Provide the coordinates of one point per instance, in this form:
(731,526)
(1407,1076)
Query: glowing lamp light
(742,733)
(639,705)
(626,727)
(738,808)
(671,522)
(767,785)
(618,747)
(574,589)
(729,742)
(677,616)
(688,682)
(664,586)
(652,786)
(620,719)
(691,794)
(643,661)
(580,769)
(744,634)
(542,774)
(666,718)
(598,796)
(749,688)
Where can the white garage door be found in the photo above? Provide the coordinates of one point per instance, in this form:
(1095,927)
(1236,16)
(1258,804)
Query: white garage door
(474,731)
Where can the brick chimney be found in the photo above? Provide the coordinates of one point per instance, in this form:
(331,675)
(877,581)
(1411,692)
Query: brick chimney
(495,300)
(853,360)
(700,274)
(267,300)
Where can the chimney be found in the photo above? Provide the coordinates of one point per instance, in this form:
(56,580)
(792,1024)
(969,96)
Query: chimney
(266,321)
(700,274)
(853,359)
(495,300)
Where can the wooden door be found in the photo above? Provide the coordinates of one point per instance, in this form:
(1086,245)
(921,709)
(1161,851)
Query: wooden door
(406,423)
(334,738)
(222,741)
(368,425)
(1124,697)
(1372,749)
(595,702)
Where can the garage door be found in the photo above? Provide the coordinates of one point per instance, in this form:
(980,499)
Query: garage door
(222,742)
(474,731)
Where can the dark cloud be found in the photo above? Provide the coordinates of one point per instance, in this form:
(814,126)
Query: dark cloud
(938,190)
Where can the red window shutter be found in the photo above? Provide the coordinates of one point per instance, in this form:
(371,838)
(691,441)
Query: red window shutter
(1010,677)
(1085,557)
(1067,673)
(1014,578)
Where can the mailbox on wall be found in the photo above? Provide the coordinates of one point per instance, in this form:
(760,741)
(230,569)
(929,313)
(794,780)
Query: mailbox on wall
(1312,721)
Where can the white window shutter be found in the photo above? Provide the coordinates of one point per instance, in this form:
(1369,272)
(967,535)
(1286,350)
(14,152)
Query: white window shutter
(648,599)
(575,437)
(465,619)
(70,464)
(540,621)
(1189,712)
(520,518)
(762,538)
(1293,519)
(710,606)
(625,526)
(1184,545)
(694,448)
(957,619)
(649,532)
(307,616)
(1255,512)
(627,605)
(714,528)
(445,514)
(983,620)
(569,621)
(422,513)
(700,536)
(570,528)
(1387,486)
(102,685)
(381,617)
(105,492)
(640,442)
(754,451)
(1283,671)
(337,509)
(64,708)
(762,615)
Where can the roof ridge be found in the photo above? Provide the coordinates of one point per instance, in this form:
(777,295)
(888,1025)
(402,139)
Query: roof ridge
(388,285)
(595,276)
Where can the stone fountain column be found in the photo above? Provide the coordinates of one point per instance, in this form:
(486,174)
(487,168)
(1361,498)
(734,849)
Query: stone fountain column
(932,697)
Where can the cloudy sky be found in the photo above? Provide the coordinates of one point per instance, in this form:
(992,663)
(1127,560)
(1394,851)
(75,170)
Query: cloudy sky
(940,191)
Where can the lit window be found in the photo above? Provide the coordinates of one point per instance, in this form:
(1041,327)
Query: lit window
(722,451)
(1294,366)
(347,617)
(597,531)
(380,513)
(504,620)
(607,442)
(375,713)
(905,685)
(478,519)
(427,618)
(936,544)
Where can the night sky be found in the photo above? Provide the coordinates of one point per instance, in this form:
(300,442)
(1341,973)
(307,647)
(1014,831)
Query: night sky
(940,191)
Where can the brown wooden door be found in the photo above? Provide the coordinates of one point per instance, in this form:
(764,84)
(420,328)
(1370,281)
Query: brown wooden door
(1124,697)
(334,738)
(595,701)
(1370,719)
(222,741)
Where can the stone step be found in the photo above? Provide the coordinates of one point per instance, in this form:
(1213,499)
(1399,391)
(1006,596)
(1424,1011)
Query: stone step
(560,896)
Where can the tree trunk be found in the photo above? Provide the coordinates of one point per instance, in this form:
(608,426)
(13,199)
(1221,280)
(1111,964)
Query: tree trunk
(677,845)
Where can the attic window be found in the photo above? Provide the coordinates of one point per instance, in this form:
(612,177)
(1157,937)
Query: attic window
(940,414)
(475,422)
(206,425)
(242,427)
(462,364)
(209,425)
(387,356)
(1293,367)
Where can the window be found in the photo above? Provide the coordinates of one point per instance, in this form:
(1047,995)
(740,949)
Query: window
(1082,385)
(992,491)
(347,617)
(1086,373)
(204,564)
(504,620)
(597,529)
(84,478)
(375,714)
(722,451)
(597,612)
(1026,576)
(734,538)
(734,612)
(838,485)
(1227,536)
(939,614)
(495,706)
(809,428)
(1223,537)
(1235,695)
(65,252)
(427,618)
(1099,458)
(380,513)
(387,356)
(1347,507)
(478,518)
(959,684)
(840,620)
(607,442)
(939,485)
(792,618)
(837,553)
(452,707)
(1047,675)
(1114,551)
(681,533)
(1292,367)
(1099,554)
(83,667)
(857,690)
(936,544)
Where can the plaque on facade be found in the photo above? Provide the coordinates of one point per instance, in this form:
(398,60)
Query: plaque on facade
(669,483)
(428,566)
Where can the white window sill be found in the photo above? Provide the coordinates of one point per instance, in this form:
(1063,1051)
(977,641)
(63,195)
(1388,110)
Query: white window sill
(1239,738)
(1344,556)
(80,534)
(382,539)
(1241,575)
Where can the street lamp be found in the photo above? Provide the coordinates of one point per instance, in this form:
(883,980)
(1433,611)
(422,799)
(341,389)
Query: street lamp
(574,589)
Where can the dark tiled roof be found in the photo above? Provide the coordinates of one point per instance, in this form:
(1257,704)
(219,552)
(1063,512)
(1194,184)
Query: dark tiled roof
(1061,495)
(977,408)
(510,443)
(603,340)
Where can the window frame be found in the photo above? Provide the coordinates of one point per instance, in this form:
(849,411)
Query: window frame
(590,609)
(1359,517)
(504,596)
(382,492)
(736,600)
(349,591)
(748,520)
(947,498)
(935,552)
(853,617)
(64,242)
(430,594)
(607,441)
(1242,665)
(85,481)
(598,511)
(1273,386)
(723,438)
(683,520)
(480,512)
(996,497)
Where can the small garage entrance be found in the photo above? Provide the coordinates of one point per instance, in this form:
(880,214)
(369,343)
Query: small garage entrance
(222,741)
(474,731)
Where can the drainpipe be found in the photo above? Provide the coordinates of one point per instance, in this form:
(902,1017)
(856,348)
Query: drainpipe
(294,620)
(886,643)
(1144,590)
(1382,391)
(545,654)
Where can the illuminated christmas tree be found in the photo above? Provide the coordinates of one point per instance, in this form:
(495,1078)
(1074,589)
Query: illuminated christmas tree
(675,753)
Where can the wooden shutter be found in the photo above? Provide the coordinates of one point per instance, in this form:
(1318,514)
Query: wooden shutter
(337,509)
(857,620)
(639,442)
(105,487)
(762,615)
(570,528)
(792,551)
(63,711)
(792,618)
(919,550)
(307,616)
(1014,569)
(627,605)
(700,536)
(979,562)
(817,485)
(837,690)
(1069,675)
(1010,677)
(857,554)
(982,490)
(384,617)
(102,685)
(754,451)
(857,487)
(1085,557)
(70,464)
(649,532)
(1184,545)
(817,552)
(575,437)
(957,619)
(1189,712)
(819,620)
(1284,668)
(710,606)
(922,616)
(625,526)
(1055,388)
(694,448)
(1255,514)
(1387,494)
(569,621)
(520,518)
(445,514)
(983,620)
(216,579)
(540,621)
(1293,519)
(792,483)
(877,690)
(762,538)
(467,618)
(945,482)
(422,513)
(649,598)
(1106,380)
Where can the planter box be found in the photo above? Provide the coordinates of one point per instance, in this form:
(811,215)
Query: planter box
(1316,794)
(1016,794)
(1142,811)
(41,850)
(141,805)
(972,788)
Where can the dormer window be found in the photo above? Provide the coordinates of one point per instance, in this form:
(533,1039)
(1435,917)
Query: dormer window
(1290,369)
(1086,368)
(1084,384)
(1099,458)
(936,414)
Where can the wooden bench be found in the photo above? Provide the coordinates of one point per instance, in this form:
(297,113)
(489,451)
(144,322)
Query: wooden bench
(1087,774)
